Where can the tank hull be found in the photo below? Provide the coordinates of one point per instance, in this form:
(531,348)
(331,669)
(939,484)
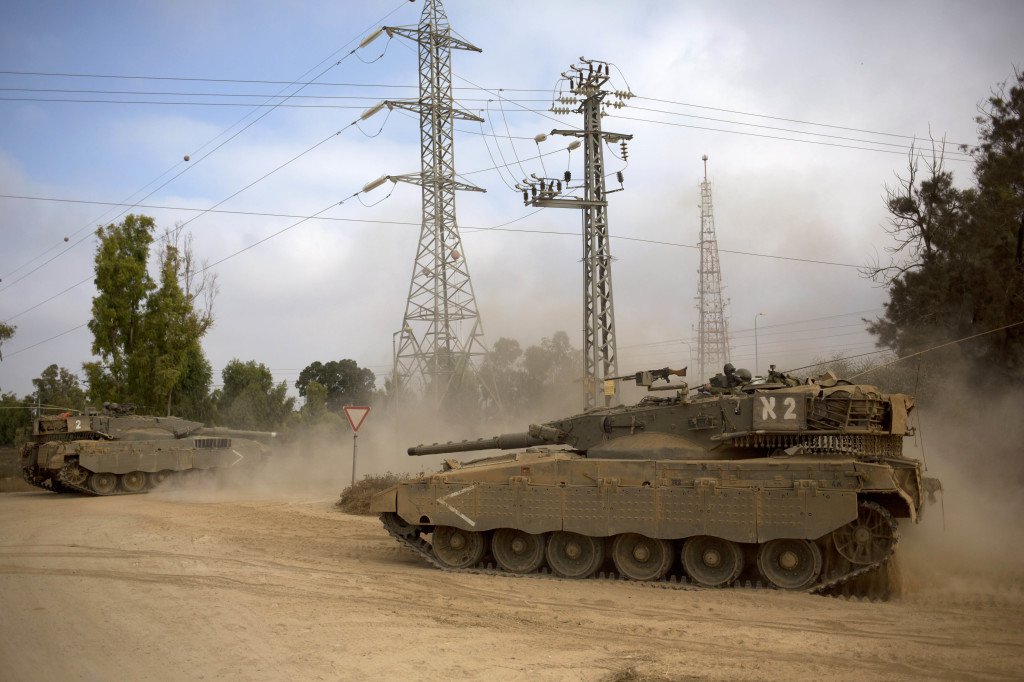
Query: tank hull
(751,507)
(136,466)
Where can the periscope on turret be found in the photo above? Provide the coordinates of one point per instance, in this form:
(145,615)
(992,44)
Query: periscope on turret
(795,484)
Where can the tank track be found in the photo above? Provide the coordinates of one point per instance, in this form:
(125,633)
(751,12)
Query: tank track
(842,580)
(64,482)
(65,475)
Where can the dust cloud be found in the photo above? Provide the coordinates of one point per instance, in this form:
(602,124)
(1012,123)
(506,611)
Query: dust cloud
(968,541)
(316,463)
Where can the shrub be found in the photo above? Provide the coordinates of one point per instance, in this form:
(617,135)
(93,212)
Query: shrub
(355,499)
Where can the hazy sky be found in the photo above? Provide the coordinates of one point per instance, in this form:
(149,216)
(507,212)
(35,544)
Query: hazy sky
(875,72)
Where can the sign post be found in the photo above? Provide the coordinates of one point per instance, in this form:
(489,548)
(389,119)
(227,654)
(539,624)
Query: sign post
(356,416)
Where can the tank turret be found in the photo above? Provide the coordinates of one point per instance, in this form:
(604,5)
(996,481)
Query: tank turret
(795,483)
(745,421)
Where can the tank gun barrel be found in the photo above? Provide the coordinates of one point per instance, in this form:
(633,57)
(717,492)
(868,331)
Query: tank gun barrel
(506,441)
(237,433)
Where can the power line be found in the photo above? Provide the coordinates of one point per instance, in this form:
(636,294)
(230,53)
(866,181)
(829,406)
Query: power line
(151,93)
(52,338)
(204,269)
(767,326)
(770,137)
(788,120)
(411,86)
(215,149)
(951,155)
(899,145)
(250,80)
(272,105)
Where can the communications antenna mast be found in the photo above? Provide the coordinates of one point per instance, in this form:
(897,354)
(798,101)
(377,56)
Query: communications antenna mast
(441,332)
(713,334)
(587,89)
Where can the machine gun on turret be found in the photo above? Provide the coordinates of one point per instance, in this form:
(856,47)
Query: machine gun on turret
(647,378)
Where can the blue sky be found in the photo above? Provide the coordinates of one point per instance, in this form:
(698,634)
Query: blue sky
(329,290)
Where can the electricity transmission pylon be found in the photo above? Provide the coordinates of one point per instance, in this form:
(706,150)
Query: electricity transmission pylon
(441,332)
(587,87)
(713,333)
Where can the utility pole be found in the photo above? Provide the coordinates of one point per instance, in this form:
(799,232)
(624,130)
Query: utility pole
(587,82)
(441,334)
(713,333)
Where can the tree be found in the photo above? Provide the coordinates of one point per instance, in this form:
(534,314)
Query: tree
(539,380)
(123,283)
(192,399)
(345,381)
(500,369)
(147,334)
(316,402)
(59,387)
(6,332)
(960,267)
(15,419)
(250,399)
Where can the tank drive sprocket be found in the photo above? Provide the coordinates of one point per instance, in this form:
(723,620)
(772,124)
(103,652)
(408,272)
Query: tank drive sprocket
(869,538)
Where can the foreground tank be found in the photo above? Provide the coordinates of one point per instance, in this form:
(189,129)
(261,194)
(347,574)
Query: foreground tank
(117,452)
(798,486)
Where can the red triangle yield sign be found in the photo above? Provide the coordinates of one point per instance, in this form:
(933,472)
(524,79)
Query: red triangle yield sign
(356,415)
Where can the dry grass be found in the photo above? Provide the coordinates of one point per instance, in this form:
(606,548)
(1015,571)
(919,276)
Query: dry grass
(355,499)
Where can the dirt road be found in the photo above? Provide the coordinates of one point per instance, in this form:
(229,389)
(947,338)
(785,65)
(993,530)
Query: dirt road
(185,585)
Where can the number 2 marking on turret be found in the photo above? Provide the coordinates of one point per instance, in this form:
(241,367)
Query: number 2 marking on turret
(790,404)
(78,425)
(768,408)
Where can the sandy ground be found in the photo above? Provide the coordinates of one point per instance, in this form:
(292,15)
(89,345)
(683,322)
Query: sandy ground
(185,585)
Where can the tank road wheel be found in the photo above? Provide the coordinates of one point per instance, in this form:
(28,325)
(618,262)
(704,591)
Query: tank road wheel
(572,555)
(133,482)
(157,477)
(789,564)
(517,551)
(641,558)
(102,483)
(870,538)
(457,548)
(712,562)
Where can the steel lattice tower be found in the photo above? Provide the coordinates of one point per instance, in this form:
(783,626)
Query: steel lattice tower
(713,334)
(441,332)
(600,358)
(587,82)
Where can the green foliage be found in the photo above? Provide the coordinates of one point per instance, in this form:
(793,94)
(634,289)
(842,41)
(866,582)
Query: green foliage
(542,379)
(58,387)
(192,399)
(123,283)
(960,268)
(250,399)
(15,419)
(355,499)
(315,407)
(345,383)
(147,333)
(6,332)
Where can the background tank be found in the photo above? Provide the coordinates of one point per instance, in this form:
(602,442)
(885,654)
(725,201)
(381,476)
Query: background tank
(798,485)
(116,451)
